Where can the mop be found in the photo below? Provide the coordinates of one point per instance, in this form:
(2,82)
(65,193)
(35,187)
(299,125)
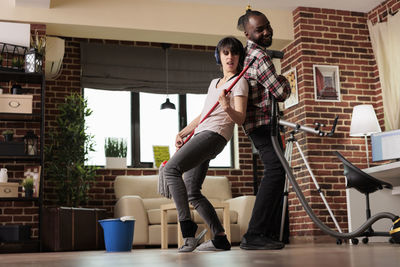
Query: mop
(162,185)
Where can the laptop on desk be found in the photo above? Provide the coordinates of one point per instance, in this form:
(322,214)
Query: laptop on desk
(385,146)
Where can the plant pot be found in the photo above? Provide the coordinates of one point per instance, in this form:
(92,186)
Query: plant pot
(69,229)
(115,163)
(29,193)
(16,89)
(8,137)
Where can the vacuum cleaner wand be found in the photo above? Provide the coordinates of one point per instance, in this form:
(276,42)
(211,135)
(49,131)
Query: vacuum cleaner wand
(227,91)
(395,230)
(297,127)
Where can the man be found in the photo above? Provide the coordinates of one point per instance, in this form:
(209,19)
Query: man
(263,231)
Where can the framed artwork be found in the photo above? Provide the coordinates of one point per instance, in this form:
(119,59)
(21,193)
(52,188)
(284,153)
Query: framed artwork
(291,76)
(326,83)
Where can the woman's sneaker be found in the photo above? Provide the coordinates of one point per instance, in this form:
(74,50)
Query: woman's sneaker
(190,243)
(219,243)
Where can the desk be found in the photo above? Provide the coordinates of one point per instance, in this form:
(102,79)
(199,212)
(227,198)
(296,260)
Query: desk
(387,172)
(380,201)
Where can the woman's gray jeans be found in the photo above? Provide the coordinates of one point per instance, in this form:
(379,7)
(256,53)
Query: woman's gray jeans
(191,161)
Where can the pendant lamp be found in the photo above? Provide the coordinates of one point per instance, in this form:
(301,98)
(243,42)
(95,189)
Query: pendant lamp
(167,104)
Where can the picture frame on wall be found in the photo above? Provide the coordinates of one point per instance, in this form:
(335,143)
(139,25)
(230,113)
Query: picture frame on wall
(326,83)
(293,99)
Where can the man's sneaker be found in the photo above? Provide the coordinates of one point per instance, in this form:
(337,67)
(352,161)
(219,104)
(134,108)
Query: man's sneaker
(190,243)
(259,242)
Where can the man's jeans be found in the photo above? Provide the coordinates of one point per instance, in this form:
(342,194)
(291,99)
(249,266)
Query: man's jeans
(266,216)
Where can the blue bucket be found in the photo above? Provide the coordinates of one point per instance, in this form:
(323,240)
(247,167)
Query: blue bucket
(118,233)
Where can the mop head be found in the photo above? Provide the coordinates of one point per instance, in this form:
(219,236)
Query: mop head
(395,230)
(162,184)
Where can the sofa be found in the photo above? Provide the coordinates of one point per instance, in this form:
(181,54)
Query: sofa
(137,196)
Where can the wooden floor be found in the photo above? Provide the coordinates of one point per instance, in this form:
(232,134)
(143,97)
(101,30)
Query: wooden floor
(321,255)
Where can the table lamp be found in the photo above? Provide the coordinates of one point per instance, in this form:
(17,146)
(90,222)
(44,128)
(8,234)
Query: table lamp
(364,123)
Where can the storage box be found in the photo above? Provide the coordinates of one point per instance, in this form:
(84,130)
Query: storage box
(12,148)
(8,189)
(16,103)
(14,233)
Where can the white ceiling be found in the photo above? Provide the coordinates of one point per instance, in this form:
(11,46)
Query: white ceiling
(350,5)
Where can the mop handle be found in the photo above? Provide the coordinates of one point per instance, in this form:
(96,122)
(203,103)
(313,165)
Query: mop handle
(227,91)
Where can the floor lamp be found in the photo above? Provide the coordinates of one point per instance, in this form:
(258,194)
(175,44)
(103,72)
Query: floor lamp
(364,123)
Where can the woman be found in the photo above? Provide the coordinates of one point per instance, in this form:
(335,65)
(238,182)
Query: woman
(211,136)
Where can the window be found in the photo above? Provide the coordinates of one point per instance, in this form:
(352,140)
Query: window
(157,127)
(109,119)
(137,118)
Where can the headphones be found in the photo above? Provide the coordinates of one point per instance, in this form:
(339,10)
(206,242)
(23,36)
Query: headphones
(218,58)
(216,53)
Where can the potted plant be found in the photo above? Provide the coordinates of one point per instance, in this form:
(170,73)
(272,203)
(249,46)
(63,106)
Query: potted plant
(8,135)
(38,43)
(66,156)
(34,57)
(28,184)
(116,150)
(17,63)
(65,168)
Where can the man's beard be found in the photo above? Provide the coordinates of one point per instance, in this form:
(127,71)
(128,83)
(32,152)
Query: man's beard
(264,42)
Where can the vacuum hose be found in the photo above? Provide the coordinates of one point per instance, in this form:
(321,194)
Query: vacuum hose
(395,230)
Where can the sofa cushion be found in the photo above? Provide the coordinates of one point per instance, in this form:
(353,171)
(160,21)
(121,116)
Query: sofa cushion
(216,187)
(155,203)
(232,214)
(154,216)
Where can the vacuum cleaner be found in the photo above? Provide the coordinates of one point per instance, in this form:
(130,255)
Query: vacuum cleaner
(275,122)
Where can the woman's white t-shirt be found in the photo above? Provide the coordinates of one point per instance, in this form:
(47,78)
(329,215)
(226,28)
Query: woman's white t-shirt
(219,121)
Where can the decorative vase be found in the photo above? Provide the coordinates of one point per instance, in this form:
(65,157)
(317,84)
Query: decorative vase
(8,137)
(16,89)
(28,193)
(115,163)
(33,61)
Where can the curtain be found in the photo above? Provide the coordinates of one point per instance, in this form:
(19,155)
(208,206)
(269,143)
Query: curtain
(385,38)
(143,69)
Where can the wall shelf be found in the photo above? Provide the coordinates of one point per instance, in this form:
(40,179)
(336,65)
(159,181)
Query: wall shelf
(35,121)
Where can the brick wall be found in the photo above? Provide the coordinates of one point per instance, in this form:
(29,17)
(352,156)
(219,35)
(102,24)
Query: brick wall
(341,38)
(385,9)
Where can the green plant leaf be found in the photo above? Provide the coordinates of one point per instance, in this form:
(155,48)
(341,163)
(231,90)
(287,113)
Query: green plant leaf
(66,155)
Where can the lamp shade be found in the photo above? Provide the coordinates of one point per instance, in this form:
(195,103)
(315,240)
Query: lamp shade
(364,121)
(167,105)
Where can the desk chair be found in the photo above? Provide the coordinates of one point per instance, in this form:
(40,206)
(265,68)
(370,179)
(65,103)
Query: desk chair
(365,184)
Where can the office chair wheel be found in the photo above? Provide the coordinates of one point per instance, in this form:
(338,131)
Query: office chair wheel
(338,241)
(365,240)
(354,241)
